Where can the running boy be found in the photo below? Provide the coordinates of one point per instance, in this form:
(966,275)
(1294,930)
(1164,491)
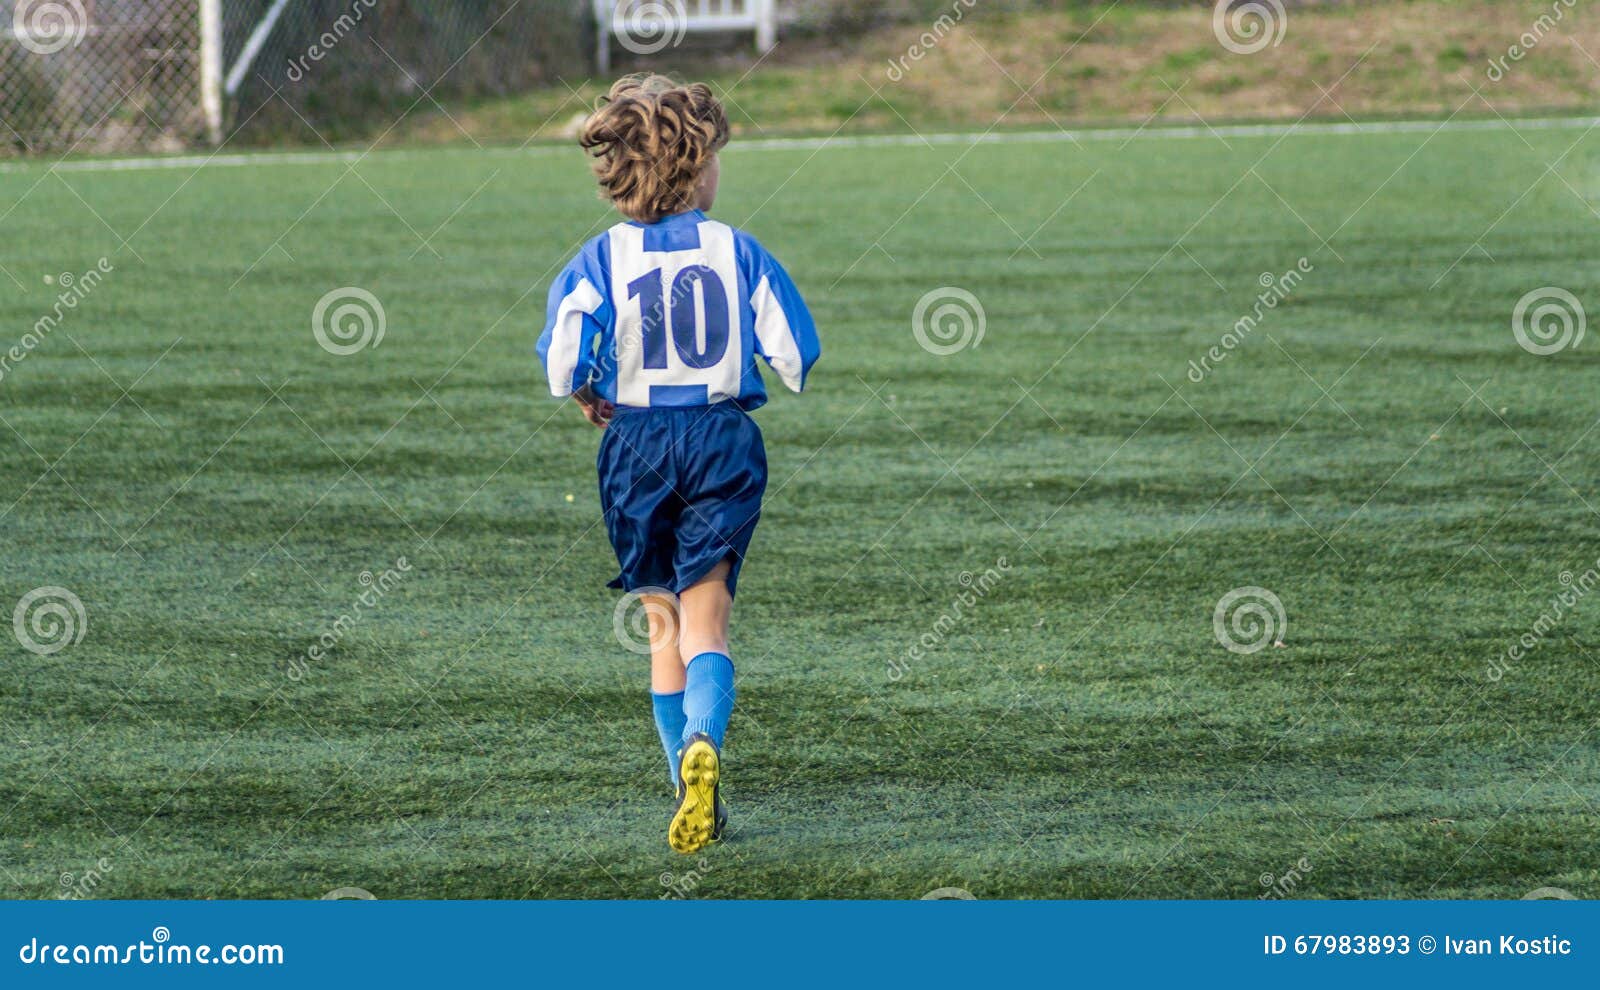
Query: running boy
(654,328)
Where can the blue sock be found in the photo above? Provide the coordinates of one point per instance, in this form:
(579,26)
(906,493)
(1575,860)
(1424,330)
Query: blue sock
(708,698)
(669,723)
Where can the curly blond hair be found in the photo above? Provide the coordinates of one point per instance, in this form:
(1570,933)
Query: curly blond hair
(651,139)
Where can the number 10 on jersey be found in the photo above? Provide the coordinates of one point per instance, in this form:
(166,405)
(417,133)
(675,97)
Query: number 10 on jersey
(675,315)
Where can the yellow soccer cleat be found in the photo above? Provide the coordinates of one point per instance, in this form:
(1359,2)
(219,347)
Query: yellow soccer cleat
(695,824)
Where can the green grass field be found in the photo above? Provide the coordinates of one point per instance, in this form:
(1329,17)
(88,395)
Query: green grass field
(1378,452)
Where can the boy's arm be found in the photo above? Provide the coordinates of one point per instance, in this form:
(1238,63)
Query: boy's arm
(784,329)
(577,316)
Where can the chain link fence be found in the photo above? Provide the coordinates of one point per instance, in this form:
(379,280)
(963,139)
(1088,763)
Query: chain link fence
(99,75)
(338,70)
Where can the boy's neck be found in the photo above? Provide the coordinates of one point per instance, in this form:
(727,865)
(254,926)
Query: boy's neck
(672,216)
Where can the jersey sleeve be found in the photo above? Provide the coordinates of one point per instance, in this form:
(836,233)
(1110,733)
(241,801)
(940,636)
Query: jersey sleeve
(578,314)
(785,334)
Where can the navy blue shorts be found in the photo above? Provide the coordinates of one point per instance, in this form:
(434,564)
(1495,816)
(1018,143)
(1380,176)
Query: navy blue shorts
(681,490)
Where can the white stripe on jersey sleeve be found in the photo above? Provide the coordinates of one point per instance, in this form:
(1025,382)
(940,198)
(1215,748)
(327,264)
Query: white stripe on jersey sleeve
(566,338)
(776,336)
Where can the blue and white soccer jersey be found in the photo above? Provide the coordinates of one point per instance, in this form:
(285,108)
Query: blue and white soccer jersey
(667,320)
(675,313)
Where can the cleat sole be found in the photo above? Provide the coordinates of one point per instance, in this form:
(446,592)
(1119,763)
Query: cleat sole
(695,820)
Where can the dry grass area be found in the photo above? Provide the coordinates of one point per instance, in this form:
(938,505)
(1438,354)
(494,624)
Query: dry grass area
(1114,64)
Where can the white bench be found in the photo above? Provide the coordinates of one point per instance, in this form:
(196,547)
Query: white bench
(645,27)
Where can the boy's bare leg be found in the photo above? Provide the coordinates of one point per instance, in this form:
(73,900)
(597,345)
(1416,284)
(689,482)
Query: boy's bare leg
(666,663)
(704,608)
(667,676)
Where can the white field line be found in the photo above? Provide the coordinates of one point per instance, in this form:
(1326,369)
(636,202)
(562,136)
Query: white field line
(266,158)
